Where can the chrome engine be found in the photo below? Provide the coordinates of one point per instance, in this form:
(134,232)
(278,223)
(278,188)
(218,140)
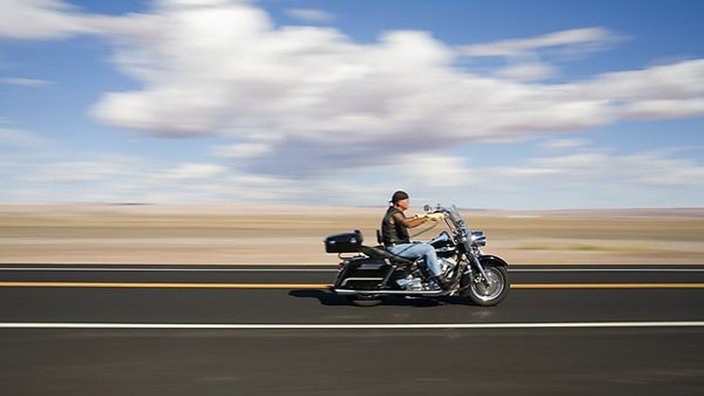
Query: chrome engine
(446,264)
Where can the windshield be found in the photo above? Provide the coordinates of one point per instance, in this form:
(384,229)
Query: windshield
(455,215)
(454,219)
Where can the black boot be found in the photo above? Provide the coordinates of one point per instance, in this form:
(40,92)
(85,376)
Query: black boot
(445,284)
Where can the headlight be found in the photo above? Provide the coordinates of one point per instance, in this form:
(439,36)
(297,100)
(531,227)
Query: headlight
(478,238)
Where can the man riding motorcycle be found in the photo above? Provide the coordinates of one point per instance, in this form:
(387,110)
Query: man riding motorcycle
(394,231)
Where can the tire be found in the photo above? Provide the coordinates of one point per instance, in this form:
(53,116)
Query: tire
(365,300)
(488,296)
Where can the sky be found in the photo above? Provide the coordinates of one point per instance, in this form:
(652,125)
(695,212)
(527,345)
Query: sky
(540,104)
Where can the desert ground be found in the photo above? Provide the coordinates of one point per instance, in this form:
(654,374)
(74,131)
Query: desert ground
(278,234)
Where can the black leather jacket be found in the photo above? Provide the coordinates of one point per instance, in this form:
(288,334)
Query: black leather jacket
(394,232)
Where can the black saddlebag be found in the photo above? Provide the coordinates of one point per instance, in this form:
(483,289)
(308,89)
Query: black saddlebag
(349,242)
(363,273)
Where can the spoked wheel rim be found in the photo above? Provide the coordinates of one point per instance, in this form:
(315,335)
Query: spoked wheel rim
(496,285)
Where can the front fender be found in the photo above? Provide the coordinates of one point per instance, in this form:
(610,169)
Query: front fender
(492,260)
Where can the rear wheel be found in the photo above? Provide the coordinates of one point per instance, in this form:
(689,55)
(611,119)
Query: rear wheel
(491,292)
(365,300)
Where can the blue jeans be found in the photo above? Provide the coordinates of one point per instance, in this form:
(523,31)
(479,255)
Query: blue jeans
(416,250)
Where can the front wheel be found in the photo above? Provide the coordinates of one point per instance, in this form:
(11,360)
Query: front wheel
(491,292)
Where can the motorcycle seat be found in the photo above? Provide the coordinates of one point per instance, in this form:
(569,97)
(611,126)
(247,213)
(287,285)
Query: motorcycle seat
(380,252)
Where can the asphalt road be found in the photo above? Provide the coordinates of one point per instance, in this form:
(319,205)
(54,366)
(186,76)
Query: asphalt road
(244,331)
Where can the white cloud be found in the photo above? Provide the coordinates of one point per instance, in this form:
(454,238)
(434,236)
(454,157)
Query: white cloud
(222,67)
(527,57)
(194,171)
(243,151)
(561,144)
(635,170)
(116,178)
(41,19)
(25,82)
(326,102)
(310,104)
(19,138)
(677,81)
(528,71)
(651,170)
(592,178)
(435,171)
(310,15)
(79,171)
(661,109)
(586,38)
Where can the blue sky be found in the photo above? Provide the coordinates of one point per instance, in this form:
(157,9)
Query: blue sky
(486,104)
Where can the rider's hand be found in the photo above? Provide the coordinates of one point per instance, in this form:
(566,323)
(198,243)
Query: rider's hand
(435,216)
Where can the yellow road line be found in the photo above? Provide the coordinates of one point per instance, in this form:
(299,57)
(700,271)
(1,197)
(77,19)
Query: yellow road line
(169,285)
(325,286)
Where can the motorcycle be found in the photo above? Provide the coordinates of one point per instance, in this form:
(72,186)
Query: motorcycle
(372,273)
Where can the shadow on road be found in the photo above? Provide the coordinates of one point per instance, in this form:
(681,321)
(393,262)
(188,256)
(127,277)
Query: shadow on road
(326,297)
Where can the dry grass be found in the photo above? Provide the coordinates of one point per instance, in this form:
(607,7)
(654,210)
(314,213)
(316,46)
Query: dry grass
(228,234)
